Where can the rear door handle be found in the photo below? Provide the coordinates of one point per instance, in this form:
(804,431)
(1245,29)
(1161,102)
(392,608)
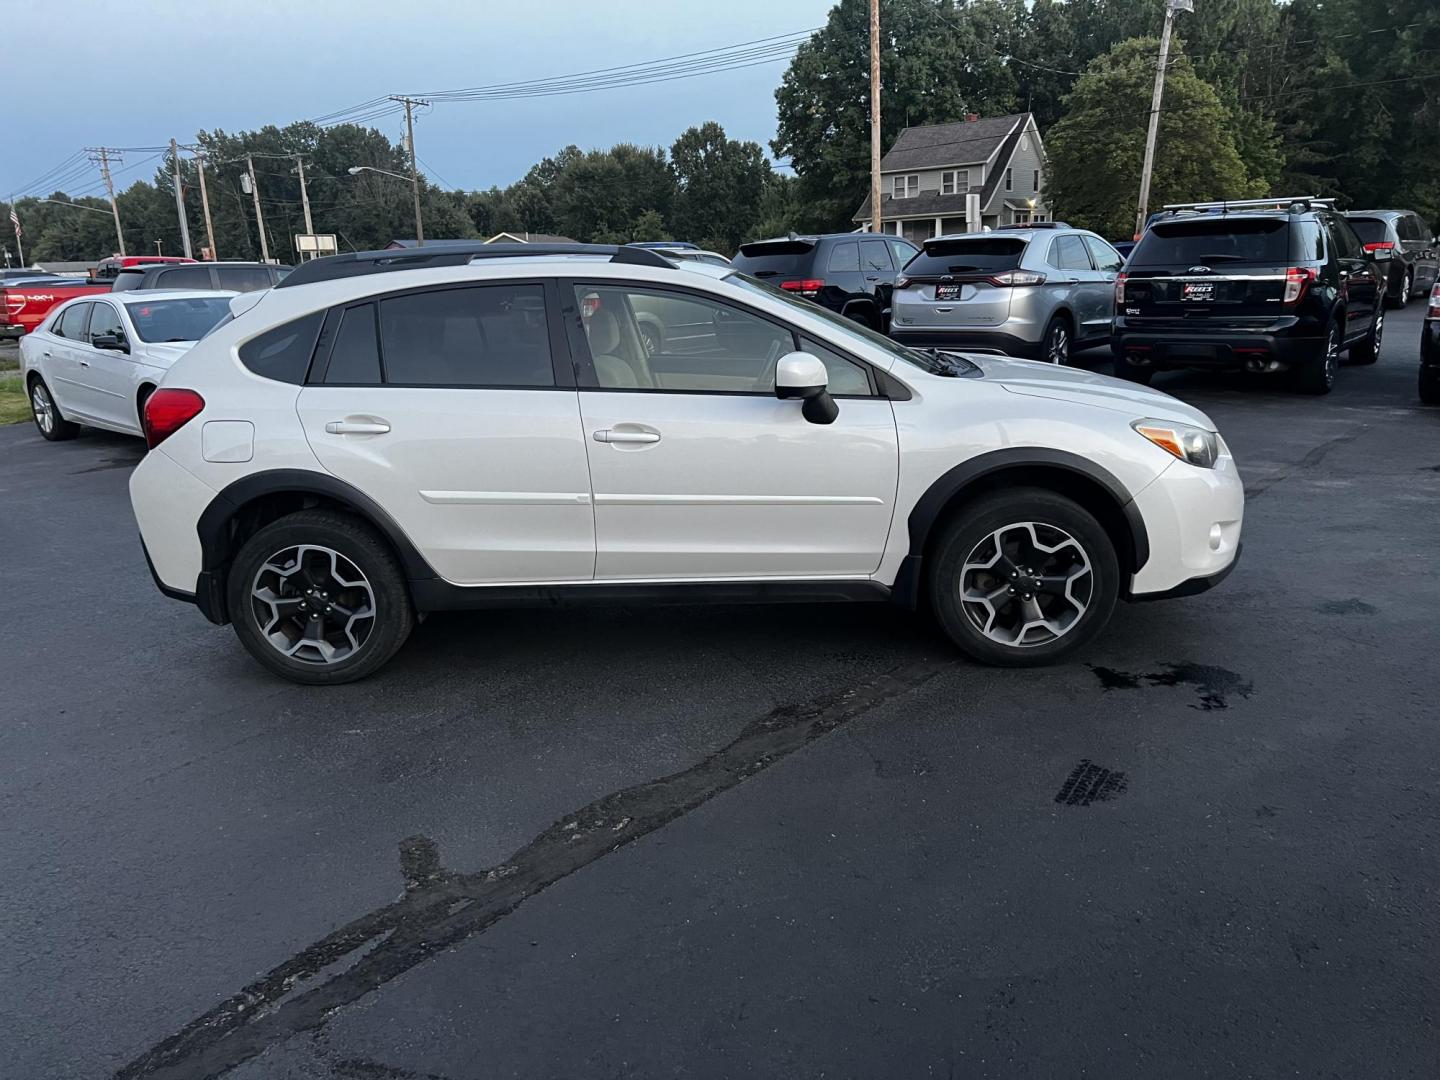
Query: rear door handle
(610,435)
(357,427)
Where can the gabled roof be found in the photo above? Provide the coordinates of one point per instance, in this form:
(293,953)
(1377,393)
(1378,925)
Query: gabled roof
(969,142)
(528,238)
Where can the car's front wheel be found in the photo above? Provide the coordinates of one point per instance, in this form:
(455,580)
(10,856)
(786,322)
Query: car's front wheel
(1316,374)
(318,597)
(1367,350)
(48,420)
(1023,577)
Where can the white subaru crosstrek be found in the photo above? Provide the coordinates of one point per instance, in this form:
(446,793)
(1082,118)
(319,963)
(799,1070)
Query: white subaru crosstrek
(383,435)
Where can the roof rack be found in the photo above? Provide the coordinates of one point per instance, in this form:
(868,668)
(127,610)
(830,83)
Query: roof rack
(1286,202)
(360,263)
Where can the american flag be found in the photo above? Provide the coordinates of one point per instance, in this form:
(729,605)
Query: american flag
(15,220)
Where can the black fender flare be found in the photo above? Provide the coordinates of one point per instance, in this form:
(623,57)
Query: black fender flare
(953,482)
(214,524)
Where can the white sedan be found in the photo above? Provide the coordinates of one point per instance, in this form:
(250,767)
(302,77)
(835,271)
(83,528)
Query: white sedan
(96,359)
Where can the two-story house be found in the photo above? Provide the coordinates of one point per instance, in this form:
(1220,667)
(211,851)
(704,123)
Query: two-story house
(930,170)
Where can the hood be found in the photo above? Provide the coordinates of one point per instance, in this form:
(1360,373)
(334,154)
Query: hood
(162,353)
(1032,378)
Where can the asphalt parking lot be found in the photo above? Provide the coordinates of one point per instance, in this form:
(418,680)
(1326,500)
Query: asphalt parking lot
(797,841)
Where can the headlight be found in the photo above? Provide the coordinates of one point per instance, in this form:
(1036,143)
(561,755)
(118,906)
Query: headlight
(1192,444)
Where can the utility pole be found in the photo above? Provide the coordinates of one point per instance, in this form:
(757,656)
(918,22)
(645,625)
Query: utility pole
(101,155)
(304,195)
(259,218)
(410,104)
(205,202)
(1171,7)
(875,224)
(180,200)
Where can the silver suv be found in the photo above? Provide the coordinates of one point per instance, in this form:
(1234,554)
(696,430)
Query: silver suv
(1027,290)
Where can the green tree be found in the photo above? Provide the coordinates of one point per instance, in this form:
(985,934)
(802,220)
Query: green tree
(938,62)
(1097,149)
(720,182)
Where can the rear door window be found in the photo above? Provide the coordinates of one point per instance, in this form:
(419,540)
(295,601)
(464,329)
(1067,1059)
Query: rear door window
(875,255)
(902,251)
(844,258)
(184,277)
(477,336)
(1216,243)
(1106,258)
(355,356)
(1068,253)
(71,324)
(283,353)
(967,255)
(104,319)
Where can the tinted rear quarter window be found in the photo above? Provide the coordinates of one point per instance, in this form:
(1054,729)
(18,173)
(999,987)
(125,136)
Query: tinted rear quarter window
(1182,244)
(283,354)
(184,277)
(775,258)
(1371,230)
(71,323)
(1068,253)
(488,335)
(981,254)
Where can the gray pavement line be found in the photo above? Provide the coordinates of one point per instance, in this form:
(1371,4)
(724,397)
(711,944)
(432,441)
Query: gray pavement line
(1309,461)
(442,907)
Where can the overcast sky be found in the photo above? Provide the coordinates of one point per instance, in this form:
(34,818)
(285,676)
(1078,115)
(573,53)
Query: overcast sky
(239,66)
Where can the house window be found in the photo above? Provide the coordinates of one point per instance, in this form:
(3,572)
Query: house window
(1024,143)
(1037,180)
(1022,217)
(1009,179)
(905,187)
(955,182)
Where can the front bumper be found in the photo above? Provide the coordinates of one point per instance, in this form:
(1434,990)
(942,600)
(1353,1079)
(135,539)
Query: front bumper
(1193,517)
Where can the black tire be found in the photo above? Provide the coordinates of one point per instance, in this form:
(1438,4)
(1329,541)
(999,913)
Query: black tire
(864,318)
(1316,374)
(1058,341)
(46,413)
(351,539)
(1132,372)
(140,399)
(975,525)
(1367,350)
(1430,386)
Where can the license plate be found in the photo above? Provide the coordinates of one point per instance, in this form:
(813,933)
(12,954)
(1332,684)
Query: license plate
(1198,290)
(947,292)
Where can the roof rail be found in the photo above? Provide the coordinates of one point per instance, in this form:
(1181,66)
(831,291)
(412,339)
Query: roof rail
(1278,203)
(360,263)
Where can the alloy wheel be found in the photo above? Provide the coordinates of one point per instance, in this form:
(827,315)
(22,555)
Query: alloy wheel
(1407,288)
(1332,354)
(1379,329)
(1026,584)
(313,604)
(42,407)
(1059,347)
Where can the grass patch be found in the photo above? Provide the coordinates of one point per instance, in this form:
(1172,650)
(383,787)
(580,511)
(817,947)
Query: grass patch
(14,406)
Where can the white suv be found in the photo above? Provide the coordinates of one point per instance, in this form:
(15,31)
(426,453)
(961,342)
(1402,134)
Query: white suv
(384,434)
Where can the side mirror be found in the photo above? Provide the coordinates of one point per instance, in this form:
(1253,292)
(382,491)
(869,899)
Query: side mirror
(800,375)
(110,341)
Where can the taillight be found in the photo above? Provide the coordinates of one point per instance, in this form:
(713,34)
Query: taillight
(1017,277)
(1297,280)
(1434,310)
(1387,246)
(167,411)
(806,287)
(1120,288)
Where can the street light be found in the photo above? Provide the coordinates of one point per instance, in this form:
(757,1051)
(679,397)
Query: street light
(76,205)
(355,170)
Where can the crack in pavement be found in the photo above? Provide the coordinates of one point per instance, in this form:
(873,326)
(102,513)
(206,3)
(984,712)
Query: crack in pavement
(1309,461)
(442,907)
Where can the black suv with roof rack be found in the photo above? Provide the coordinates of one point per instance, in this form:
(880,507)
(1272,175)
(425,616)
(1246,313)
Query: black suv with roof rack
(849,273)
(1259,285)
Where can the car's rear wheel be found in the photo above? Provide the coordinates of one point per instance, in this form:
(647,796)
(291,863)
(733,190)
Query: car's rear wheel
(1055,346)
(1023,577)
(47,416)
(1316,374)
(318,597)
(1430,385)
(1367,351)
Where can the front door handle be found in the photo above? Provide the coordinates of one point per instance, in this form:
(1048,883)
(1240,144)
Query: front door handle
(84,363)
(357,427)
(610,435)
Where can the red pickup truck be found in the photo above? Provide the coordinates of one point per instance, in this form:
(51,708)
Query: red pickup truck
(25,303)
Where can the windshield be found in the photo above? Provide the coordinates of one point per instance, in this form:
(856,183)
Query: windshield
(177,320)
(925,361)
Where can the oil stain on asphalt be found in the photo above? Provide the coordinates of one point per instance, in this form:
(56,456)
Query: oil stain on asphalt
(1213,685)
(441,907)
